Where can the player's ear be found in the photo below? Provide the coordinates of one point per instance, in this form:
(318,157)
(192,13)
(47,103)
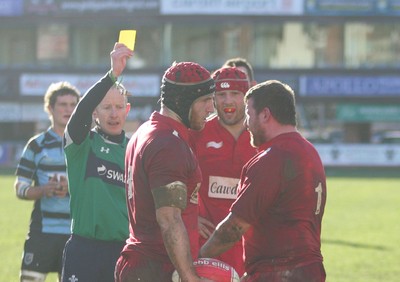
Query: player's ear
(94,116)
(50,109)
(265,114)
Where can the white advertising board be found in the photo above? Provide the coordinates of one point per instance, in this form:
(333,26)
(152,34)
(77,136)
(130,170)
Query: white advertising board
(141,85)
(231,7)
(359,154)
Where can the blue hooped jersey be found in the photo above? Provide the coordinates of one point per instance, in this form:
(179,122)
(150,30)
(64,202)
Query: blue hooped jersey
(42,158)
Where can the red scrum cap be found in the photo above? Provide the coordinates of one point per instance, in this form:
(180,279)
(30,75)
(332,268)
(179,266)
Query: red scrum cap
(187,73)
(230,78)
(182,84)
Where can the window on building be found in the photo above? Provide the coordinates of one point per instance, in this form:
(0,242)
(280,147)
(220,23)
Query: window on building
(17,47)
(371,45)
(53,44)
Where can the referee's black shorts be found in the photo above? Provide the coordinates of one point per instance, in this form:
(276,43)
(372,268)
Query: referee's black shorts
(90,260)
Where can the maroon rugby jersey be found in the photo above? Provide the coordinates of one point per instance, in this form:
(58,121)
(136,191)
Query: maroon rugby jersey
(282,194)
(221,159)
(158,154)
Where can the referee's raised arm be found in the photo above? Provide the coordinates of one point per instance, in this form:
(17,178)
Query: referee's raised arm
(81,120)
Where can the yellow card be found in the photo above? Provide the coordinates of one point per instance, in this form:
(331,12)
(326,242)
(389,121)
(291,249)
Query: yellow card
(128,37)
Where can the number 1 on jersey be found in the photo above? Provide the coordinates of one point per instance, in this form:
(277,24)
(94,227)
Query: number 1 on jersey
(318,190)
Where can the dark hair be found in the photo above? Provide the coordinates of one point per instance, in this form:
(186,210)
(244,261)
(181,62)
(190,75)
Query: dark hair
(240,62)
(278,97)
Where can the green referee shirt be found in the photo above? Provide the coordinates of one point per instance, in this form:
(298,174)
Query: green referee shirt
(97,188)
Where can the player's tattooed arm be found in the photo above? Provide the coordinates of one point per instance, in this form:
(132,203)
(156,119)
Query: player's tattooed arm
(227,233)
(169,201)
(176,241)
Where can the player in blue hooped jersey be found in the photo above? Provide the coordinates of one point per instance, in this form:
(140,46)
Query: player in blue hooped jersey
(41,177)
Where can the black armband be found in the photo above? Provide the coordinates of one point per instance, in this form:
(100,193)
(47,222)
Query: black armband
(170,195)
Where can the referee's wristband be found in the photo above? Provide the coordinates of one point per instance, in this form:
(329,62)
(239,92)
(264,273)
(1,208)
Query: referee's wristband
(112,76)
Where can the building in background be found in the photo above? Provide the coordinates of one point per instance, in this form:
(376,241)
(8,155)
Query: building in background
(341,57)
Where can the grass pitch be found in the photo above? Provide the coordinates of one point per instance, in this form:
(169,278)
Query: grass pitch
(361,230)
(360,235)
(14,223)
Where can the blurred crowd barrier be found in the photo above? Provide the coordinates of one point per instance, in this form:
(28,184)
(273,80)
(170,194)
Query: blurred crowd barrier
(332,155)
(361,155)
